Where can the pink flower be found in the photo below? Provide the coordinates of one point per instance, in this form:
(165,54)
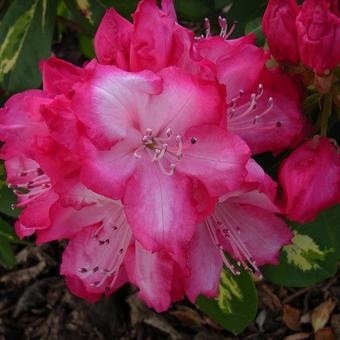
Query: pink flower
(152,137)
(260,109)
(310,178)
(318,32)
(279,28)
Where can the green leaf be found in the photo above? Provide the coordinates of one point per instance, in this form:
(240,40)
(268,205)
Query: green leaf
(87,13)
(26,36)
(125,8)
(7,236)
(7,199)
(86,45)
(244,11)
(236,305)
(194,10)
(7,257)
(313,255)
(255,26)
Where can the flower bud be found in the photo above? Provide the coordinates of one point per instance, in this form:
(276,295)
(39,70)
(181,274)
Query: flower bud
(310,178)
(280,30)
(318,31)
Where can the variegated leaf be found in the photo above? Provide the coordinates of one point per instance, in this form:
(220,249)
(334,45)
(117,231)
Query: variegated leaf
(26,35)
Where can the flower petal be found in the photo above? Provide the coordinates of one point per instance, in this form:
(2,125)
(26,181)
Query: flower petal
(108,102)
(112,40)
(217,158)
(255,234)
(160,208)
(93,269)
(205,265)
(152,273)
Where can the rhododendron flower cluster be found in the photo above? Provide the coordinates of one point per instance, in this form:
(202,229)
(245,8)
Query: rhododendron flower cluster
(142,158)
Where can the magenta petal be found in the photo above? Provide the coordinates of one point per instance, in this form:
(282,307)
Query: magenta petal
(59,76)
(217,158)
(160,209)
(204,264)
(112,40)
(152,273)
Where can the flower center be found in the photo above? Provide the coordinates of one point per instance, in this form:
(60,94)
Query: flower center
(163,151)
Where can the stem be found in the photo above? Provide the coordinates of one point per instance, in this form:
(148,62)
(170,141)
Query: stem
(326,112)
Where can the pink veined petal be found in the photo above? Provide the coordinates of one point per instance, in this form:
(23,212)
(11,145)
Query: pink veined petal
(271,123)
(152,273)
(252,235)
(185,101)
(94,257)
(217,158)
(59,76)
(109,101)
(205,265)
(160,208)
(112,40)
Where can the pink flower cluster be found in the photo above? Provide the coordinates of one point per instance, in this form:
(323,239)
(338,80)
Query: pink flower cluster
(141,159)
(309,33)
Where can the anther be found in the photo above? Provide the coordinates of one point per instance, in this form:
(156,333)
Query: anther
(278,124)
(95,269)
(83,270)
(194,140)
(169,132)
(148,132)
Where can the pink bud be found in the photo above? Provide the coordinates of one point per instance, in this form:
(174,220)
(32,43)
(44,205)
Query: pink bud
(280,30)
(318,31)
(310,178)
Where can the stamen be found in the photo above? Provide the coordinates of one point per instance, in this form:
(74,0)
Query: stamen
(207,27)
(233,235)
(231,31)
(222,22)
(214,239)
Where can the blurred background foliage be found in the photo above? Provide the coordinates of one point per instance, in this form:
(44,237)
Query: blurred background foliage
(33,30)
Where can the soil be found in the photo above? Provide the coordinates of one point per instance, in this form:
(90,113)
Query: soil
(35,304)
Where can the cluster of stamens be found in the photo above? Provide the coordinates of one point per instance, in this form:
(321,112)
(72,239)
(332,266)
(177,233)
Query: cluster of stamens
(245,108)
(158,147)
(37,185)
(219,224)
